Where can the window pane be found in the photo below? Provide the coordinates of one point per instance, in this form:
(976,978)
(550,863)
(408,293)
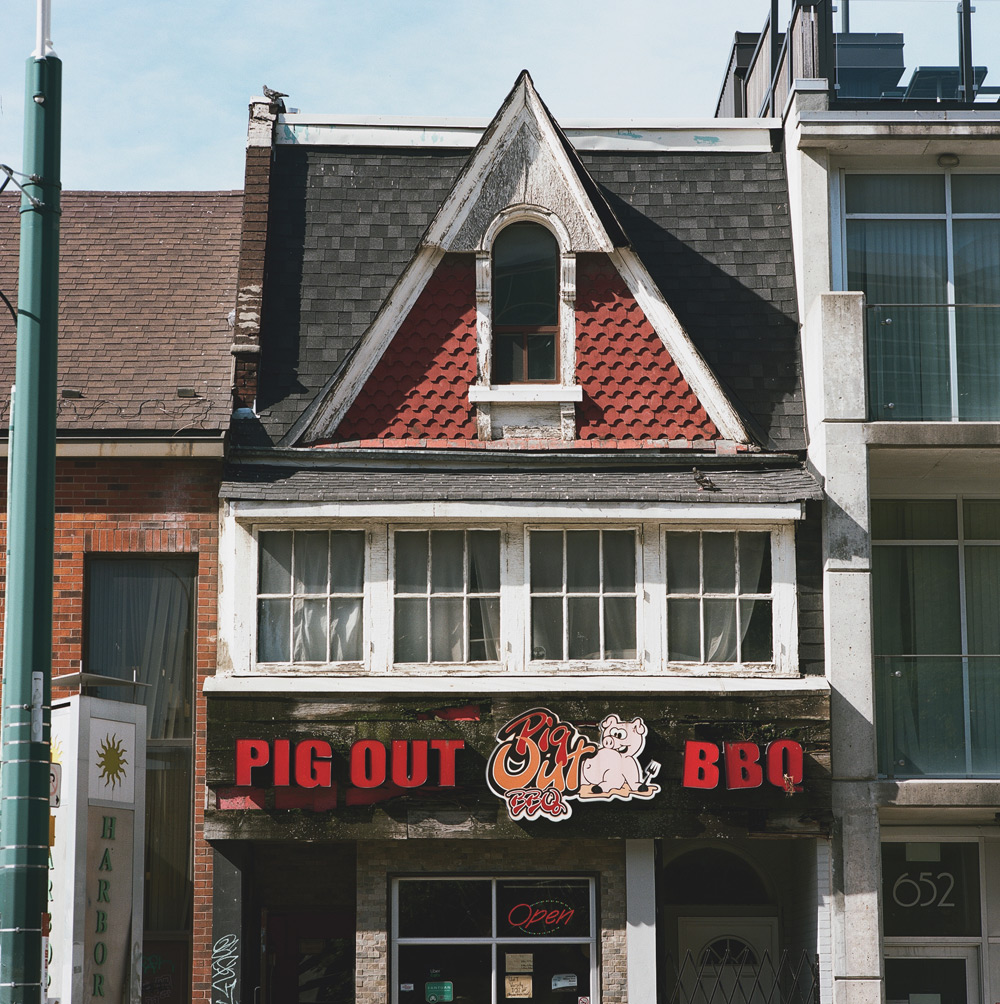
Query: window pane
(311,561)
(619,627)
(541,356)
(584,627)
(447,560)
(345,630)
(484,561)
(899,261)
(619,561)
(347,572)
(525,271)
(546,561)
(895,193)
(461,908)
(684,630)
(582,567)
(683,574)
(411,562)
(411,631)
(755,562)
(950,890)
(563,968)
(756,621)
(508,358)
(546,628)
(460,972)
(520,900)
(275,562)
(720,562)
(447,629)
(484,629)
(915,600)
(720,631)
(901,520)
(309,631)
(168,836)
(982,520)
(274,630)
(975,193)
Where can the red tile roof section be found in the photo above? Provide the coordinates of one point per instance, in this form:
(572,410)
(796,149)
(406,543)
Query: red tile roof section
(419,389)
(146,284)
(632,388)
(633,392)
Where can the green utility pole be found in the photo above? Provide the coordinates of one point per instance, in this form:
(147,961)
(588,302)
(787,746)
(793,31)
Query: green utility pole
(27,658)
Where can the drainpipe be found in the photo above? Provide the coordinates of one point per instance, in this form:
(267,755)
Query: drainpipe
(27,656)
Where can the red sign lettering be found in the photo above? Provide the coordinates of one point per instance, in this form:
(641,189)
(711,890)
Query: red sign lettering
(699,764)
(783,761)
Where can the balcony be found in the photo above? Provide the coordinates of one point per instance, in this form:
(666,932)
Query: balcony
(888,54)
(938,715)
(933,362)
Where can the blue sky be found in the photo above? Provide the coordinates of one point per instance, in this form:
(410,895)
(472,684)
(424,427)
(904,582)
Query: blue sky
(155,93)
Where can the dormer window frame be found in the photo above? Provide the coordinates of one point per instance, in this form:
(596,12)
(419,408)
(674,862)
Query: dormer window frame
(485,389)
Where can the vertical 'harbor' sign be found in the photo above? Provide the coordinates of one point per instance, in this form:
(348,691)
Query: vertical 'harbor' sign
(95,866)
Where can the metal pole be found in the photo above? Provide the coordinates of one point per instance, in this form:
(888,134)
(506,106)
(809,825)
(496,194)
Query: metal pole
(27,662)
(968,84)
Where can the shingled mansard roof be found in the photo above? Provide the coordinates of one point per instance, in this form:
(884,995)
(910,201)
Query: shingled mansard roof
(147,282)
(696,234)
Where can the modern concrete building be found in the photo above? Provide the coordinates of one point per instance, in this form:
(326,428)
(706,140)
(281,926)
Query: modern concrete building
(891,136)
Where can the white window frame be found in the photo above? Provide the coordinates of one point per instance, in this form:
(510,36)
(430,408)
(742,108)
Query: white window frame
(497,942)
(238,583)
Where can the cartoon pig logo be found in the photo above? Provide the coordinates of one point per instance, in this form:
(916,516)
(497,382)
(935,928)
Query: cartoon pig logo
(614,770)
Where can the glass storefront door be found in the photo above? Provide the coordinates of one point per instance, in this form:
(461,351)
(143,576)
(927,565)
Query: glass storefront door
(486,940)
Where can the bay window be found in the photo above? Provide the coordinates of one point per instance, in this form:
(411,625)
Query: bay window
(538,597)
(925,249)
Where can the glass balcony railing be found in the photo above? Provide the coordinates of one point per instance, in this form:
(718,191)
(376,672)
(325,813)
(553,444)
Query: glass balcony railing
(933,363)
(938,715)
(896,51)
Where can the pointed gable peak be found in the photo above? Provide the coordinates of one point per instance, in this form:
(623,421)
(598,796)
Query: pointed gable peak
(524,162)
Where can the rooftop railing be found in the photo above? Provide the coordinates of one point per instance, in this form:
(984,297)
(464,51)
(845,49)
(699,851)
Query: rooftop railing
(880,53)
(933,362)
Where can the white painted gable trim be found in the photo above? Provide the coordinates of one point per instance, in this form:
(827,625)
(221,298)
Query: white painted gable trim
(523,105)
(675,339)
(330,405)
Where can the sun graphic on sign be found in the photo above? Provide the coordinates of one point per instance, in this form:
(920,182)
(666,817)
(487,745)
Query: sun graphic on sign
(56,751)
(111,760)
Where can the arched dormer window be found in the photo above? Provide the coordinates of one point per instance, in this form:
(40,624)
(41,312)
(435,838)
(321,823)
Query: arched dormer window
(525,305)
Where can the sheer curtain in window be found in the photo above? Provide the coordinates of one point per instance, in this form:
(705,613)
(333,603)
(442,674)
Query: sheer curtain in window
(977,280)
(982,599)
(904,262)
(140,622)
(916,606)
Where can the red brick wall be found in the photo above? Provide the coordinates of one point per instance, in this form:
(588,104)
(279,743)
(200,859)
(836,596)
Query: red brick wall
(142,506)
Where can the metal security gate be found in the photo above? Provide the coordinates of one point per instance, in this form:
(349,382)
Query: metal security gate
(730,974)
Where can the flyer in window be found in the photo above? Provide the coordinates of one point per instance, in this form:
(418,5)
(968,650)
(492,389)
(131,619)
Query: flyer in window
(517,986)
(520,962)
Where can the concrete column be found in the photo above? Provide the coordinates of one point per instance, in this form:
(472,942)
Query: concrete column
(833,358)
(640,919)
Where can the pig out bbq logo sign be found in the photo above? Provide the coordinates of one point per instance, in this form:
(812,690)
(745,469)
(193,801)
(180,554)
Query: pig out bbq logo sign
(541,764)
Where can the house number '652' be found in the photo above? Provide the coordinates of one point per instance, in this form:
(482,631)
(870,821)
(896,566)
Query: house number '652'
(923,891)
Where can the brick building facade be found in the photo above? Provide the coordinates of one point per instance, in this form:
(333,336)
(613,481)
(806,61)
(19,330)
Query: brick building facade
(147,284)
